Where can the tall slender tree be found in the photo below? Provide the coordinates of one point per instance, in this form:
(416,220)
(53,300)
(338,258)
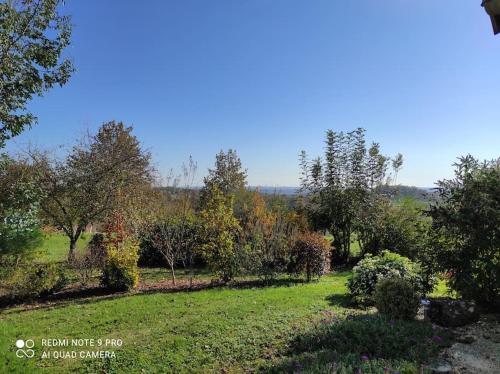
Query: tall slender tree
(342,185)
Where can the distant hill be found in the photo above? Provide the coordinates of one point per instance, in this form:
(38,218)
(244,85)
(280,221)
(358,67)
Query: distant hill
(397,192)
(268,190)
(400,191)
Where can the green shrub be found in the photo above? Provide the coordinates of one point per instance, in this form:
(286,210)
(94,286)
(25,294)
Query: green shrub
(466,230)
(396,298)
(148,255)
(371,269)
(120,271)
(37,280)
(219,233)
(309,255)
(398,226)
(20,232)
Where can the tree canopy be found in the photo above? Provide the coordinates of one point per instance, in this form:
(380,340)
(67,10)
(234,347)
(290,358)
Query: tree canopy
(33,36)
(228,174)
(466,227)
(105,172)
(342,185)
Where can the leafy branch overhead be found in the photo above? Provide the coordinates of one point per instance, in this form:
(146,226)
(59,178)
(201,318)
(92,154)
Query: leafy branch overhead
(33,36)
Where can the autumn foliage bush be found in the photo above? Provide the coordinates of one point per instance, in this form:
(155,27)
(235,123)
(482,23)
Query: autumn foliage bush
(267,233)
(120,271)
(310,255)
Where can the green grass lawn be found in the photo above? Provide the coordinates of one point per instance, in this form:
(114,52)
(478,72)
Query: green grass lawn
(55,246)
(214,330)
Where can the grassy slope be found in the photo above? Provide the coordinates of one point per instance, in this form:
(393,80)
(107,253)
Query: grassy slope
(185,332)
(200,331)
(181,332)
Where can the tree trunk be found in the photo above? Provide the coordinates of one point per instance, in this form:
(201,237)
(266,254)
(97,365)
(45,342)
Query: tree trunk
(73,239)
(172,271)
(347,243)
(190,277)
(72,249)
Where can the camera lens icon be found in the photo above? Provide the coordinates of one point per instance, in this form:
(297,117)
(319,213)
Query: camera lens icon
(25,348)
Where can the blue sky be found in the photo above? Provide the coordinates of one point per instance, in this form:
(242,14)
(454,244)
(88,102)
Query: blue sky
(268,77)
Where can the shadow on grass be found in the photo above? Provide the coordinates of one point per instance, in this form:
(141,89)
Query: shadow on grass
(61,298)
(364,343)
(342,300)
(81,296)
(259,283)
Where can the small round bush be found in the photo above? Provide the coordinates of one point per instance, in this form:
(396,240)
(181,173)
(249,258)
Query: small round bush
(396,298)
(310,255)
(370,269)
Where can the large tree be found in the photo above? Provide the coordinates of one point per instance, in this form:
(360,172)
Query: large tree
(33,36)
(340,186)
(466,229)
(107,172)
